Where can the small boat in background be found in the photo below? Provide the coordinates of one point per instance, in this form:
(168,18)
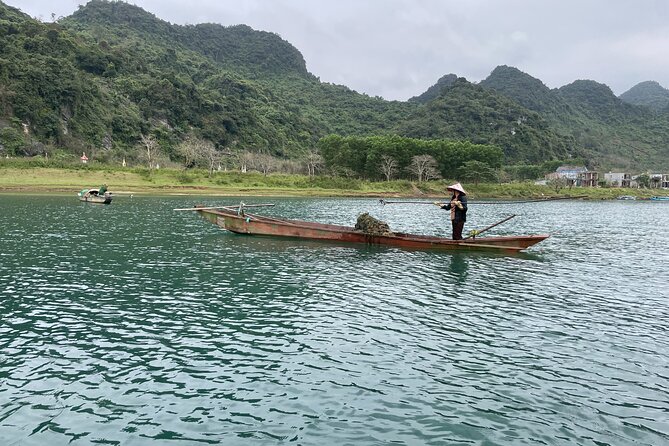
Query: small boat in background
(234,219)
(99,196)
(626,197)
(659,198)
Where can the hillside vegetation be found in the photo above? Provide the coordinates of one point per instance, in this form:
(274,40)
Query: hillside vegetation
(648,94)
(119,83)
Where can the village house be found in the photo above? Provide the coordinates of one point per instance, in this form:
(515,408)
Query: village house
(587,179)
(618,179)
(575,176)
(657,180)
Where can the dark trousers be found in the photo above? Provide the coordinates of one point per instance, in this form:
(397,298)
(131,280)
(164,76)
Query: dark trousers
(457,229)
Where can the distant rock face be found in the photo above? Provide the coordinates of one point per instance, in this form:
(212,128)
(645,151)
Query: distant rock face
(648,94)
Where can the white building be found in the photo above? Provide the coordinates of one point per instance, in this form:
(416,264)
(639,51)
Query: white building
(618,179)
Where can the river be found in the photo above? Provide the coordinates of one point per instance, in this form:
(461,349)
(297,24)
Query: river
(133,324)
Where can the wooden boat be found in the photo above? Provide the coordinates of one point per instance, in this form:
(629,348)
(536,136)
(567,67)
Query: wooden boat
(93,196)
(659,198)
(243,223)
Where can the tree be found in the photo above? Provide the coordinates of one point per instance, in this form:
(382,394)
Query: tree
(557,183)
(198,151)
(245,160)
(265,162)
(188,150)
(643,180)
(388,166)
(12,140)
(424,167)
(476,171)
(151,147)
(211,156)
(6,96)
(314,162)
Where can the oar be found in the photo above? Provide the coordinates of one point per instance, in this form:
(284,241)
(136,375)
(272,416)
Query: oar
(474,233)
(196,208)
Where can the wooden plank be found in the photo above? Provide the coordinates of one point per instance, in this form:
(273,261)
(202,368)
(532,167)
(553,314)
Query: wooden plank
(481,245)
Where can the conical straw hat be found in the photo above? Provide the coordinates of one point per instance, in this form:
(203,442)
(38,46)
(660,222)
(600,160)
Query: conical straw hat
(456,186)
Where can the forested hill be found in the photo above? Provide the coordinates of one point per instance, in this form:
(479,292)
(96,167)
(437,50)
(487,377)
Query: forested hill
(602,126)
(237,47)
(112,75)
(467,111)
(650,94)
(434,91)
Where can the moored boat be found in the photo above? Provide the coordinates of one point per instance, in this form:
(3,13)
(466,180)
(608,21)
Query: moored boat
(659,198)
(99,196)
(233,220)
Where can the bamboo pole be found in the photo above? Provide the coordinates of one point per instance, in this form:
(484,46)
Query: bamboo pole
(538,200)
(384,202)
(489,227)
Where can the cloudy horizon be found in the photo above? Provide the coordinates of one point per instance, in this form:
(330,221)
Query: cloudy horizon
(397,49)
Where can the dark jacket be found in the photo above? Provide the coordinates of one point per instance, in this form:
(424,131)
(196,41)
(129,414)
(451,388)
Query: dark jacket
(460,214)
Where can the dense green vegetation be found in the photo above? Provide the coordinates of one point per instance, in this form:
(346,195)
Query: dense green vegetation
(649,94)
(604,130)
(394,156)
(435,90)
(120,84)
(471,112)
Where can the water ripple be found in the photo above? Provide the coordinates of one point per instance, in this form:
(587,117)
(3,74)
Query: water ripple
(134,324)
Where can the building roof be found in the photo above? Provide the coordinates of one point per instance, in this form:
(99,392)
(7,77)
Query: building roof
(567,168)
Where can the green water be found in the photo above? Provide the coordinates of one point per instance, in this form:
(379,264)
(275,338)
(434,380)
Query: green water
(132,324)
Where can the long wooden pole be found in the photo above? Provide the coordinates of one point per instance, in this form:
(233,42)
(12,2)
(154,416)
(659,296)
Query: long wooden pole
(538,200)
(489,227)
(384,202)
(196,208)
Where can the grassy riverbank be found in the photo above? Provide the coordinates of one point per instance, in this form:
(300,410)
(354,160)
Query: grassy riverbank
(198,182)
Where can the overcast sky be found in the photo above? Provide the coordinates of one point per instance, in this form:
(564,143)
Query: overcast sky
(398,48)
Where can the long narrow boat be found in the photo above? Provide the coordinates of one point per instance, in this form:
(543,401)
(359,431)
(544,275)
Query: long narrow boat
(244,223)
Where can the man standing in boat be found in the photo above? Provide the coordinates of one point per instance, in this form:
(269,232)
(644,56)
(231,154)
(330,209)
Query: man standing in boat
(458,208)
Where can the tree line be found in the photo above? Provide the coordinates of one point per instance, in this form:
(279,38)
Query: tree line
(397,157)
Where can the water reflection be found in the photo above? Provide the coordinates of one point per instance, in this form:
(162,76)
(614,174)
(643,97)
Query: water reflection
(458,266)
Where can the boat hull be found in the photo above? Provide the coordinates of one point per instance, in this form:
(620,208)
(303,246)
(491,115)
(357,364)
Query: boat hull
(265,226)
(94,196)
(96,199)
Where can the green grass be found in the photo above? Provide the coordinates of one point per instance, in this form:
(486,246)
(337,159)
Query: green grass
(20,177)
